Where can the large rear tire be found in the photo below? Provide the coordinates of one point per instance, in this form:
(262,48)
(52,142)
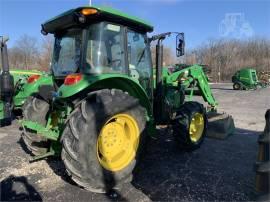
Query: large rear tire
(35,109)
(102,140)
(189,129)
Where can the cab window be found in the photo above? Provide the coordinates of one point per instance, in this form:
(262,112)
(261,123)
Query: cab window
(105,49)
(139,59)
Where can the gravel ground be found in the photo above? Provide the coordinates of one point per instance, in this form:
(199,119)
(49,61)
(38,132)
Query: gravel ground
(246,107)
(219,170)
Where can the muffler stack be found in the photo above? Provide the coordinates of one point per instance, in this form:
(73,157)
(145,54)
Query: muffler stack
(6,86)
(262,166)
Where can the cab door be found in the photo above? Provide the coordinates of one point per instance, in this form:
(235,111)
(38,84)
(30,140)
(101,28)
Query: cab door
(139,60)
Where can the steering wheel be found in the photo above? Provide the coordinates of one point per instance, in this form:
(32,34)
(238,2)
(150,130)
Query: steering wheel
(90,63)
(114,63)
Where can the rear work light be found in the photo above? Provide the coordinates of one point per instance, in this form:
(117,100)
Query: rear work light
(33,78)
(89,11)
(72,79)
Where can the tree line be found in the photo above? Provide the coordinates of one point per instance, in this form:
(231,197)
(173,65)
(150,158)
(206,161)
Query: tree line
(223,57)
(27,53)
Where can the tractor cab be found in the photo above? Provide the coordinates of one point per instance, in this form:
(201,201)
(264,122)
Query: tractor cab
(95,41)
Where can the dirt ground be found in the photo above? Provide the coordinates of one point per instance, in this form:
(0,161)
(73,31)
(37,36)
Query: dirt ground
(219,170)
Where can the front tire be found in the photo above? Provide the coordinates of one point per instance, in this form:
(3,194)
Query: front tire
(102,140)
(35,109)
(189,128)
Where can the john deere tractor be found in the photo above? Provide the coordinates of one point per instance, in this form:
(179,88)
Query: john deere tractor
(16,86)
(104,100)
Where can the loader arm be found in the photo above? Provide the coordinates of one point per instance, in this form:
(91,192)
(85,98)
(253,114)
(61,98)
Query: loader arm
(192,77)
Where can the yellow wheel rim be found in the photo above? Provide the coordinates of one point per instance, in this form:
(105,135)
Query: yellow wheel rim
(117,142)
(196,127)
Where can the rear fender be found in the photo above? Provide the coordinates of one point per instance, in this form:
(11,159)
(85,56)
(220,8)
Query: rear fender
(110,81)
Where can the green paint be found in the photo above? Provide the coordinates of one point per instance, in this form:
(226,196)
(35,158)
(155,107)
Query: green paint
(119,81)
(24,72)
(187,76)
(247,77)
(41,130)
(180,85)
(28,89)
(19,74)
(22,89)
(120,14)
(106,11)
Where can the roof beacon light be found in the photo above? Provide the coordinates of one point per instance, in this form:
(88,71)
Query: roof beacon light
(89,11)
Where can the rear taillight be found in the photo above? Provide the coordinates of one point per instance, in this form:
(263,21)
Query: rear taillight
(33,78)
(72,79)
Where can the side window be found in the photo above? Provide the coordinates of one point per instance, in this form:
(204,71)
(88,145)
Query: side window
(139,59)
(67,51)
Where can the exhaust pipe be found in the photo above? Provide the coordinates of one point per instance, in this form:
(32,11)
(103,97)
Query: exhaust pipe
(158,108)
(6,86)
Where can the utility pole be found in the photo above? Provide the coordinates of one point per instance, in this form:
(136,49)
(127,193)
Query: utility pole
(219,74)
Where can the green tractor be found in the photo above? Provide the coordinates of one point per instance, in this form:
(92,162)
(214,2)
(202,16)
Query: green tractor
(28,84)
(105,100)
(246,79)
(16,86)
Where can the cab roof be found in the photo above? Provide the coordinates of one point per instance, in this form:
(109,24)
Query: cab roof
(70,19)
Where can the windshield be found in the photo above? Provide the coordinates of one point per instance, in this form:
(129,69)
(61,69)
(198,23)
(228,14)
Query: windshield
(105,49)
(67,51)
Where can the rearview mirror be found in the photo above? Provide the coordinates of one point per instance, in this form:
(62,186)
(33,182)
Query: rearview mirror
(180,44)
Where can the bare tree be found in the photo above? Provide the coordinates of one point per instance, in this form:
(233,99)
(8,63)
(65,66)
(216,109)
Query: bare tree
(26,52)
(46,53)
(168,56)
(225,57)
(15,58)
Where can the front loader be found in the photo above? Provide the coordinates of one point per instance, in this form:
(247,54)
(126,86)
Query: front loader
(105,100)
(194,83)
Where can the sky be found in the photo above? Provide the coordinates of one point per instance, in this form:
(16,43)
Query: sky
(200,20)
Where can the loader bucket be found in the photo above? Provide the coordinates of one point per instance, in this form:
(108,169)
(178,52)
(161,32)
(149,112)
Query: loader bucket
(220,125)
